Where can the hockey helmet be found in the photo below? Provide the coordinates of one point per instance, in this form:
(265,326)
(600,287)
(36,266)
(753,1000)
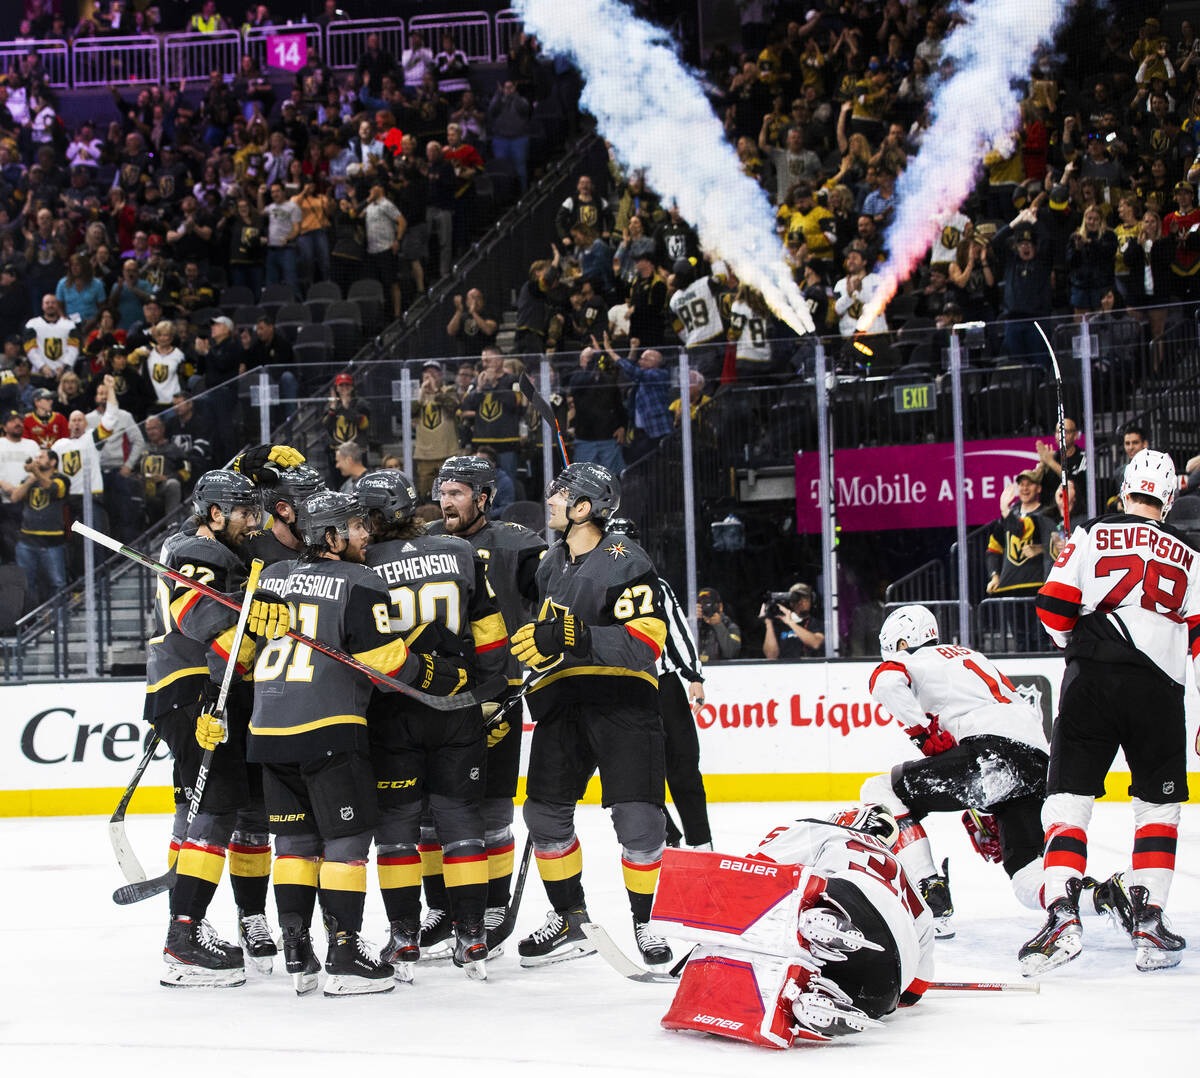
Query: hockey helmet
(226,489)
(915,625)
(475,472)
(389,493)
(624,526)
(1151,474)
(292,485)
(590,481)
(326,509)
(874,819)
(684,273)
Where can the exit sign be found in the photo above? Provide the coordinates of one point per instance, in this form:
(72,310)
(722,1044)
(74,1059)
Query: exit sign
(921,397)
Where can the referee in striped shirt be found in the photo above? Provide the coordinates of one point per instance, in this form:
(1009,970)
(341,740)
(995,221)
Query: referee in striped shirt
(679,663)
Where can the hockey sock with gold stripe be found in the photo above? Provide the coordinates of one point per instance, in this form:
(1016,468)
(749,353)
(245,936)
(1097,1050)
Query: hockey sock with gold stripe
(465,868)
(296,885)
(198,868)
(561,869)
(344,892)
(499,866)
(641,877)
(250,870)
(399,868)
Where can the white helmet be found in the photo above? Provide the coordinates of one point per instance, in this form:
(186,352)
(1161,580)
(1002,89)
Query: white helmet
(915,625)
(1152,474)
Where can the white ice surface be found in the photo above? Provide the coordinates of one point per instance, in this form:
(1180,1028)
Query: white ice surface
(80,988)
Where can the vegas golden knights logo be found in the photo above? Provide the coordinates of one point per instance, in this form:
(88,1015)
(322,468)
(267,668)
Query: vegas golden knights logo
(160,372)
(1159,141)
(53,348)
(950,237)
(490,410)
(343,429)
(588,214)
(431,416)
(71,462)
(855,309)
(166,185)
(38,498)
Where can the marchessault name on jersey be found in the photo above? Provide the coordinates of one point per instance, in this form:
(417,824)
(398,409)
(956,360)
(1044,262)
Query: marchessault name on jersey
(313,587)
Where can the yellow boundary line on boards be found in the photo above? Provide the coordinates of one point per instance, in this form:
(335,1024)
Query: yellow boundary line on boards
(767,787)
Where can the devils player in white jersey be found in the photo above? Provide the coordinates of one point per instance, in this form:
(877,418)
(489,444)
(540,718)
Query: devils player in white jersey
(985,752)
(1123,598)
(815,934)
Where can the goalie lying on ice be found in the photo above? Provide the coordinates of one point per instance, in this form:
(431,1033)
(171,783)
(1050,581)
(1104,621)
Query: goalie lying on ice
(816,934)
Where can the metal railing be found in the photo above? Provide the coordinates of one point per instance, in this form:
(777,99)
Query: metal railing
(107,61)
(197,56)
(167,58)
(471,30)
(346,41)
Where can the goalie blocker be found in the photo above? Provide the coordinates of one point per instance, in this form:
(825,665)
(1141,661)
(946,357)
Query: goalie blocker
(819,933)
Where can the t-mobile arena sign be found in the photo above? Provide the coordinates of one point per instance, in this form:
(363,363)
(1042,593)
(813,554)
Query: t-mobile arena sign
(911,486)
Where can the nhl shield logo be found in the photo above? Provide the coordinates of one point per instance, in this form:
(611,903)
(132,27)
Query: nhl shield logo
(474,774)
(347,812)
(1036,691)
(1168,788)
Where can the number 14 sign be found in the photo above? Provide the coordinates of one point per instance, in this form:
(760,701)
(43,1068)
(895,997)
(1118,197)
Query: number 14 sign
(287,51)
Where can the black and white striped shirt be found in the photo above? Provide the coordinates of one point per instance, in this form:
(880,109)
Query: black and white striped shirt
(680,655)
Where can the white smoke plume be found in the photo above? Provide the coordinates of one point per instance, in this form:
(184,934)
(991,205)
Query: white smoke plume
(654,112)
(973,111)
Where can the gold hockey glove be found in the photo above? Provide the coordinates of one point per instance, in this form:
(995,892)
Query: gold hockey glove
(210,731)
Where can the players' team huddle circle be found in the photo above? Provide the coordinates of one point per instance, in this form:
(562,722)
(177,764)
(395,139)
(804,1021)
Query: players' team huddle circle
(373,687)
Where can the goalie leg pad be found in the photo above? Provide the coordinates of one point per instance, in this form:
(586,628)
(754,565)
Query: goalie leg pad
(736,995)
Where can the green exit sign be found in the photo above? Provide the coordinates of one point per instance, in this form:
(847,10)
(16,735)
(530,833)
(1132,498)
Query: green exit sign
(916,398)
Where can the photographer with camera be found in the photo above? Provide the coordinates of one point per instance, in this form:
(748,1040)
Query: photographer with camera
(720,637)
(792,630)
(599,413)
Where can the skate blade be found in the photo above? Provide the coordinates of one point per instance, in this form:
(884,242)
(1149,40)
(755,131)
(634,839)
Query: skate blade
(404,972)
(1151,959)
(348,985)
(264,965)
(1034,965)
(180,976)
(304,983)
(943,929)
(476,971)
(566,954)
(496,951)
(438,952)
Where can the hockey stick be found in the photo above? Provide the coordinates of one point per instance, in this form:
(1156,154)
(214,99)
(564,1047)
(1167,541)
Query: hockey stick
(544,410)
(985,986)
(619,960)
(1062,424)
(136,892)
(487,691)
(514,904)
(131,867)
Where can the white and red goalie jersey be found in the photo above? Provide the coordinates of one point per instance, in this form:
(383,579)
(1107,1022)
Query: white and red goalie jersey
(1126,589)
(750,916)
(963,688)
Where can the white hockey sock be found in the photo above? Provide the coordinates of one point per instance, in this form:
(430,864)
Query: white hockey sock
(1155,836)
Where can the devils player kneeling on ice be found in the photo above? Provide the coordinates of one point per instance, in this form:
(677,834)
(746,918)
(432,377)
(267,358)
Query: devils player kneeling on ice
(816,934)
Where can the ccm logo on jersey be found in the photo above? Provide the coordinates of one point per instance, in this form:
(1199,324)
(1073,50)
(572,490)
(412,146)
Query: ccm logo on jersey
(746,866)
(713,1020)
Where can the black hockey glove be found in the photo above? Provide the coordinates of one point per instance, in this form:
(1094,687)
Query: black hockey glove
(262,462)
(434,675)
(541,642)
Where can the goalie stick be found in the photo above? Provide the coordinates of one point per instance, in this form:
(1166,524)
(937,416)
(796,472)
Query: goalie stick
(607,949)
(131,867)
(136,892)
(489,690)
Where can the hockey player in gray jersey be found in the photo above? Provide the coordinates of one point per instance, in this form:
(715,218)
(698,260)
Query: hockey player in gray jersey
(186,659)
(309,730)
(464,489)
(594,647)
(441,602)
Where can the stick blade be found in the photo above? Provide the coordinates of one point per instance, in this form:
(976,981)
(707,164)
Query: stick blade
(131,867)
(607,949)
(139,892)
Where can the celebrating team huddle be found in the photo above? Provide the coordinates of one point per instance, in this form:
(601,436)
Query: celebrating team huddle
(372,692)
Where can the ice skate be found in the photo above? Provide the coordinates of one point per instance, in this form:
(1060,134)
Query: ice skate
(298,957)
(470,948)
(935,890)
(254,934)
(1157,946)
(437,936)
(561,938)
(1061,937)
(402,949)
(353,968)
(654,949)
(197,957)
(821,1007)
(493,922)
